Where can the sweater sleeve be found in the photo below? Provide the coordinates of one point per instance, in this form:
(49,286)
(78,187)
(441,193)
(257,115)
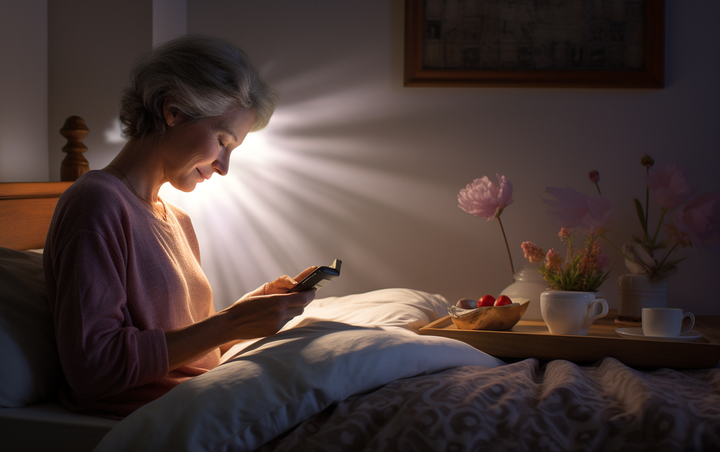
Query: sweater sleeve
(101,352)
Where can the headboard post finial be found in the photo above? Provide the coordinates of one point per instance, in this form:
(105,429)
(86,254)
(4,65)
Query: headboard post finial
(74,164)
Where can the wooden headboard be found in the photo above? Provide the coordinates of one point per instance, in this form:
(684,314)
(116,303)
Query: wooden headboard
(26,208)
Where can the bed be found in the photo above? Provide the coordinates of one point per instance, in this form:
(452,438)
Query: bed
(351,374)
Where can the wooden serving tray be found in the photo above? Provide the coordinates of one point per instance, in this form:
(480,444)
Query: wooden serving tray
(531,339)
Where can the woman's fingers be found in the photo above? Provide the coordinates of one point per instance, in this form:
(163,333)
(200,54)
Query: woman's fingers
(285,283)
(263,315)
(300,298)
(305,273)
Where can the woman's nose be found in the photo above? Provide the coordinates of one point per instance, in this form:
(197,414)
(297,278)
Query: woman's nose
(222,164)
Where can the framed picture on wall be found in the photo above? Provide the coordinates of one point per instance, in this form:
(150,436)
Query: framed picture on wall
(535,43)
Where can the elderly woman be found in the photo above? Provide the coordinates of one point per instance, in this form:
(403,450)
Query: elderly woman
(133,310)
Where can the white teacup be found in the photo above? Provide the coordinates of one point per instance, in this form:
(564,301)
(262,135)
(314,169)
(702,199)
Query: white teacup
(665,322)
(571,313)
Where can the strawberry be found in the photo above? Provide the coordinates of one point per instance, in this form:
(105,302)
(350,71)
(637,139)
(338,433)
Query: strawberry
(486,300)
(502,300)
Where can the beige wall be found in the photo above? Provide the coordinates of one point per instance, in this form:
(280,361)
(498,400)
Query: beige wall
(23,90)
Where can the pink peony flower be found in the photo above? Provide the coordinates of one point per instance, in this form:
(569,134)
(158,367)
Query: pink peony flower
(668,185)
(532,252)
(574,209)
(554,261)
(700,220)
(485,199)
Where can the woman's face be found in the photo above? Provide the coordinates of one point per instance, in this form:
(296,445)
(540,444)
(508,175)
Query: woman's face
(193,150)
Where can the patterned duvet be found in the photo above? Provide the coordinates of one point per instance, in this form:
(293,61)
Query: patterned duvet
(558,406)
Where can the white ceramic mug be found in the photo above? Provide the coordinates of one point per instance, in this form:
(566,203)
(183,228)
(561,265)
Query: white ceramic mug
(571,313)
(665,322)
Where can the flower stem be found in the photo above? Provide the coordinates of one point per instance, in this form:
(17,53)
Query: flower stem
(647,212)
(613,245)
(512,269)
(667,253)
(657,229)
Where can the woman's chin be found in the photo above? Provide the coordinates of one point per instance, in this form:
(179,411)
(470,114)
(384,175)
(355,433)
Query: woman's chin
(185,186)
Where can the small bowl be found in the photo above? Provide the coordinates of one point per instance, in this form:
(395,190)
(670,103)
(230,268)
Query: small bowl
(492,318)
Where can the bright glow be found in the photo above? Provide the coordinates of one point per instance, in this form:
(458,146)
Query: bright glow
(303,192)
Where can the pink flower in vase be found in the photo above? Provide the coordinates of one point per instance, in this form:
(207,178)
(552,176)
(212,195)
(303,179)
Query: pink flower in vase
(699,219)
(668,185)
(485,199)
(574,209)
(532,252)
(593,258)
(554,261)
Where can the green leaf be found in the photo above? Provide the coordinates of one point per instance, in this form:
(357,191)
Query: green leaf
(675,262)
(641,215)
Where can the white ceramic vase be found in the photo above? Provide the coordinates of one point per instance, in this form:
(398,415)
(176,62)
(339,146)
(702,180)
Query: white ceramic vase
(636,292)
(529,283)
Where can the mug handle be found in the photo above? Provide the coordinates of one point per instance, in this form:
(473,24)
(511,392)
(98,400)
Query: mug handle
(688,315)
(602,314)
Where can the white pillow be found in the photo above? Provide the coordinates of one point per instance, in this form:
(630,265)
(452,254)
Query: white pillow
(406,308)
(279,381)
(30,371)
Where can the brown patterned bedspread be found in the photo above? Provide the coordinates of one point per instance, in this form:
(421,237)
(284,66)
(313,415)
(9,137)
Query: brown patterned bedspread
(558,406)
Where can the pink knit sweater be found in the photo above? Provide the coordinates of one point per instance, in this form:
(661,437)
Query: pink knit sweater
(117,278)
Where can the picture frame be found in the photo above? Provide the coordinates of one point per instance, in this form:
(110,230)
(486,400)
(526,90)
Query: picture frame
(535,43)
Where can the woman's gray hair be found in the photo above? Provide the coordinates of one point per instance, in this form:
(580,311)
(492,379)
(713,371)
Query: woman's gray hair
(199,77)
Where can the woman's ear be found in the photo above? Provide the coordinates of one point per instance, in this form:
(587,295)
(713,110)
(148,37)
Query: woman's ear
(170,113)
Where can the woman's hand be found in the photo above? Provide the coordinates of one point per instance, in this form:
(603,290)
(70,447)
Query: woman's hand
(268,308)
(264,315)
(280,285)
(259,313)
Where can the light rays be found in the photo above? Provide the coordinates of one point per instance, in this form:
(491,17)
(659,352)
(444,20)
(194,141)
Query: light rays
(312,187)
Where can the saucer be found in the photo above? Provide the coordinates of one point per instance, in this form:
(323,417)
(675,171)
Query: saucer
(637,333)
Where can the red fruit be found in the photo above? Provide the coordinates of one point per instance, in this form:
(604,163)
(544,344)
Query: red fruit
(503,300)
(486,300)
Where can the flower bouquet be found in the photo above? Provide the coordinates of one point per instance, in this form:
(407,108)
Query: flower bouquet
(696,221)
(649,257)
(584,269)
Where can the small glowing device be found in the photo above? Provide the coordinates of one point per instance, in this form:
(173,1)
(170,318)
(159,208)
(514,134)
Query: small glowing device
(319,278)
